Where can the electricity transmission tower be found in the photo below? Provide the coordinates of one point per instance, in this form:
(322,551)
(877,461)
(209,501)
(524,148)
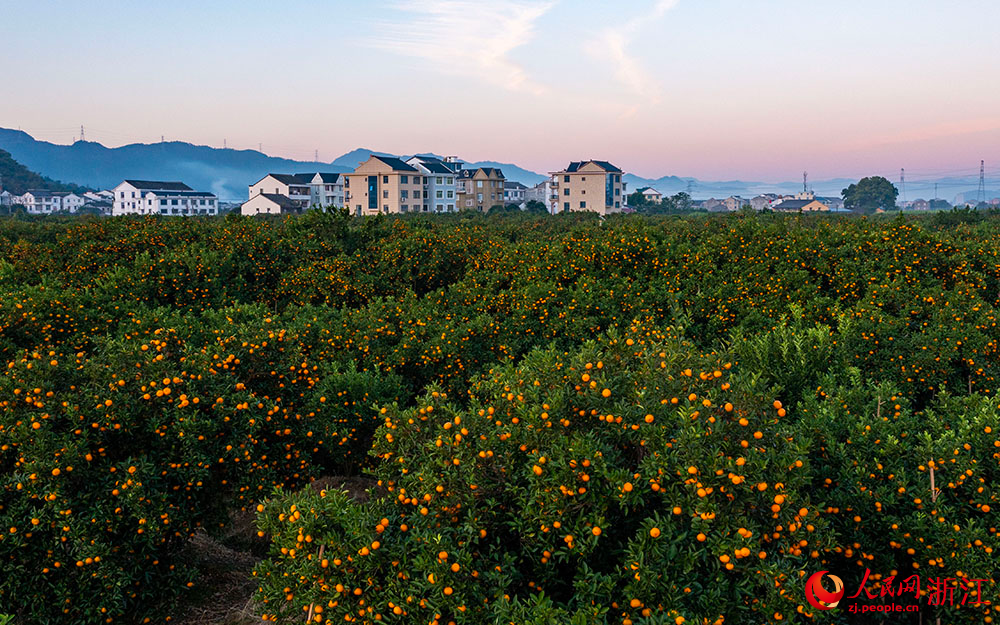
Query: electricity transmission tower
(981,192)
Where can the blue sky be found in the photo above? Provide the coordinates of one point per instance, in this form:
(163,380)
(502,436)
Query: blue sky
(708,88)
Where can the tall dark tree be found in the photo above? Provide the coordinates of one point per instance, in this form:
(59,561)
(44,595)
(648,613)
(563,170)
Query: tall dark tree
(870,194)
(534,206)
(682,201)
(638,201)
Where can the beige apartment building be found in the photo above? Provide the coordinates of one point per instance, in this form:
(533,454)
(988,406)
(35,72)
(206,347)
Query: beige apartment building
(383,184)
(480,189)
(588,186)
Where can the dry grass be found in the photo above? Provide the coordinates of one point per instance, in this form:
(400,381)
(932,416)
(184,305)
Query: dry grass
(226,587)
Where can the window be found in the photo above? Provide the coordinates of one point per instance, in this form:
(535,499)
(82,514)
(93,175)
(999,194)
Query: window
(479,198)
(173,202)
(451,207)
(583,179)
(440,194)
(451,180)
(479,184)
(439,180)
(385,207)
(583,205)
(385,179)
(451,194)
(405,208)
(565,191)
(405,179)
(385,194)
(404,194)
(565,178)
(416,195)
(372,193)
(163,202)
(565,206)
(583,192)
(439,207)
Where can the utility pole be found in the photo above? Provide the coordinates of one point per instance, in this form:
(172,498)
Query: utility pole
(902,183)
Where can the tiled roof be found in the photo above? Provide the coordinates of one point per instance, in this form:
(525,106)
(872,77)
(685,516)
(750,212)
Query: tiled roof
(281,200)
(606,166)
(395,163)
(156,185)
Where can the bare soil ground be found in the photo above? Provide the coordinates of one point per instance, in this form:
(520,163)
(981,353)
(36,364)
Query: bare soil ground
(225,590)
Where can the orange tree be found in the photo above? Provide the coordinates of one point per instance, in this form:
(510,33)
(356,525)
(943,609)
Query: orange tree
(633,480)
(113,458)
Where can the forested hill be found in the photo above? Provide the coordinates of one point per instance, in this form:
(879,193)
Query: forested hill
(17,178)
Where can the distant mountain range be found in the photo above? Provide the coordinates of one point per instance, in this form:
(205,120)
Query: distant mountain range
(228,172)
(225,172)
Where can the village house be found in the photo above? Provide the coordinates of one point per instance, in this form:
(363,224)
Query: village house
(297,188)
(324,189)
(270,204)
(383,184)
(43,201)
(440,191)
(152,197)
(480,188)
(589,185)
(514,192)
(805,206)
(652,195)
(544,192)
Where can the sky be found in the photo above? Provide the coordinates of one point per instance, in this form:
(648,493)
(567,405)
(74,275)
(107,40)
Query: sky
(715,89)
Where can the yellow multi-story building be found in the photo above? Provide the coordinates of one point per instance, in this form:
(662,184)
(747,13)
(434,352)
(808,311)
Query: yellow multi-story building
(383,184)
(588,186)
(480,189)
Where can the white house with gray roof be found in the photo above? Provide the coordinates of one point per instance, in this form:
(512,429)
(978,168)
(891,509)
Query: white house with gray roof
(325,189)
(440,178)
(154,197)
